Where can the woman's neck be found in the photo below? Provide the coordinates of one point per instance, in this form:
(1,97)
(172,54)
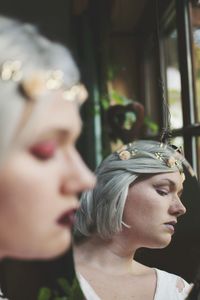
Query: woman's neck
(113,256)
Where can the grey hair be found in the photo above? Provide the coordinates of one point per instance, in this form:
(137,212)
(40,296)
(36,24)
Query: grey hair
(19,41)
(101,209)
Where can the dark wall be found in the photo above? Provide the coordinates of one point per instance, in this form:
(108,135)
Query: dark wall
(52,17)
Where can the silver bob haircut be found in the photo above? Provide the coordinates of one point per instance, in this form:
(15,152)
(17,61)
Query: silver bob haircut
(22,42)
(101,209)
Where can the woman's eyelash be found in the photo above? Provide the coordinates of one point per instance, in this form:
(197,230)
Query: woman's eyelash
(162,192)
(42,156)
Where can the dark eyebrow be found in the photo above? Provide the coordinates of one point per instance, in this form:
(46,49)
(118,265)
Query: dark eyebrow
(171,182)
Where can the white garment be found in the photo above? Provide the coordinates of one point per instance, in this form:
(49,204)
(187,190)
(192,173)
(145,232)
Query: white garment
(166,288)
(1,295)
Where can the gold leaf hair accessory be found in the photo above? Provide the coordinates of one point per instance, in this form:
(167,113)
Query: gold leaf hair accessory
(11,70)
(38,82)
(127,152)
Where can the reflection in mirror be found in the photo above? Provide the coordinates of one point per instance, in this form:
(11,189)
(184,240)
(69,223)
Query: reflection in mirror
(135,204)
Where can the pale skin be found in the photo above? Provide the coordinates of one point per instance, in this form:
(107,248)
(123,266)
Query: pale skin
(39,183)
(152,205)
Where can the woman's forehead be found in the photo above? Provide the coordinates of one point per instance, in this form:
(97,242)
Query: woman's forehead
(54,120)
(174,179)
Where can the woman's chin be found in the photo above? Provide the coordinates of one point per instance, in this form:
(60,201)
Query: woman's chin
(55,250)
(43,251)
(57,246)
(160,244)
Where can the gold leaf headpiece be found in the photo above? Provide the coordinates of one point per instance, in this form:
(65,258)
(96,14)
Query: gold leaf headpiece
(38,82)
(127,152)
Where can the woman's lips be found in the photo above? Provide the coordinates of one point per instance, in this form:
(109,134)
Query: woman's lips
(68,218)
(170,227)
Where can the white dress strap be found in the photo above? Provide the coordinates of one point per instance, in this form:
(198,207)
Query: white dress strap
(167,288)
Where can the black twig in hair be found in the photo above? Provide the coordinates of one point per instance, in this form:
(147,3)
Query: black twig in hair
(166,131)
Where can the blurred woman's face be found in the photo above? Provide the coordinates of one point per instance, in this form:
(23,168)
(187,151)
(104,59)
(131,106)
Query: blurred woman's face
(39,184)
(152,208)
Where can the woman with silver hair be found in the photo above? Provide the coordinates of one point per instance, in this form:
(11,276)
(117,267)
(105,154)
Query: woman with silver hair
(41,172)
(135,203)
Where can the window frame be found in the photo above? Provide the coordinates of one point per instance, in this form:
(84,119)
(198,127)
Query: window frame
(190,130)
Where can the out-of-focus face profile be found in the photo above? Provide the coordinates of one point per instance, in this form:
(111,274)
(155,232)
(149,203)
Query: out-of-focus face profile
(39,183)
(41,172)
(152,208)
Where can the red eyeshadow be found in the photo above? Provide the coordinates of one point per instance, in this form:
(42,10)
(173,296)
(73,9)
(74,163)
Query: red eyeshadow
(44,150)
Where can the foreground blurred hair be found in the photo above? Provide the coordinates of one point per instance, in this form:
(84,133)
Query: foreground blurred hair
(22,43)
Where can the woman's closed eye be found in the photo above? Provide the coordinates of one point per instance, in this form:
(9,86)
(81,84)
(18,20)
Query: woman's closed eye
(44,150)
(162,192)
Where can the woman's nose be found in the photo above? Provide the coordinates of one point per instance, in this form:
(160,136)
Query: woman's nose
(78,177)
(177,207)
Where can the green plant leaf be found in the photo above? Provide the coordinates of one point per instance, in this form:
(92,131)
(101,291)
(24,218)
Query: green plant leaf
(65,286)
(151,125)
(118,98)
(44,294)
(105,103)
(76,292)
